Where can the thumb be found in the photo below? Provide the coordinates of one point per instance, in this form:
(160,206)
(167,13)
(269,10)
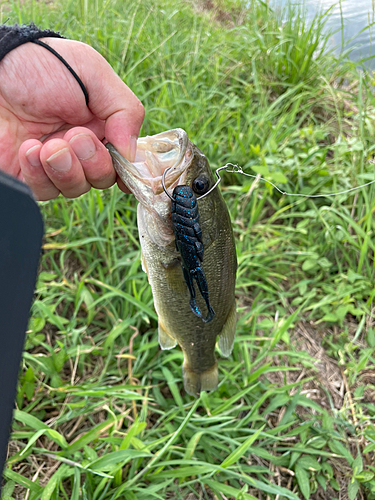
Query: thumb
(112,101)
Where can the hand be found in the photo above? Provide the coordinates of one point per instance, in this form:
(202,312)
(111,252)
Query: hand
(48,136)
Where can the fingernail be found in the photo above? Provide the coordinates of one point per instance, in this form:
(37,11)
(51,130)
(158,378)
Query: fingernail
(83,146)
(132,147)
(32,156)
(60,161)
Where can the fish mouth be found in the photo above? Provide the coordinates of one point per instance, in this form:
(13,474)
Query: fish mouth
(155,154)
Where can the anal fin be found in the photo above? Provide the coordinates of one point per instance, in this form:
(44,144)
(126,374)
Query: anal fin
(226,336)
(165,340)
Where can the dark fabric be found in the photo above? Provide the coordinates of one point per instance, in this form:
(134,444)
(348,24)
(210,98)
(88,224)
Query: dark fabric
(21,232)
(14,36)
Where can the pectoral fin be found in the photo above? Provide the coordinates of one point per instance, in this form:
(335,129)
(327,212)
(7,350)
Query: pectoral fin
(165,340)
(143,262)
(226,337)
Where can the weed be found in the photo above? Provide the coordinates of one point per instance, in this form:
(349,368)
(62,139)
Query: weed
(101,414)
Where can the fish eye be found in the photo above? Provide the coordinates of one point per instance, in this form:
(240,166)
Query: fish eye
(200,185)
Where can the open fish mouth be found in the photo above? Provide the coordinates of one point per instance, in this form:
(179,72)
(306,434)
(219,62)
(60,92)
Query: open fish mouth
(156,153)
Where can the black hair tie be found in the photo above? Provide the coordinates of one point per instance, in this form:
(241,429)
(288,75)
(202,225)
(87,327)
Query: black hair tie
(14,36)
(67,65)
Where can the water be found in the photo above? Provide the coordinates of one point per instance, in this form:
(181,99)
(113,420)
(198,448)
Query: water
(349,20)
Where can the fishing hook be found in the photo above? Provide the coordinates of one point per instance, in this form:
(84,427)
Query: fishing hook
(235,169)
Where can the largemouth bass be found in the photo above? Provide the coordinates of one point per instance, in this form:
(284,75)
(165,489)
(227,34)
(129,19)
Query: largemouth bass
(162,262)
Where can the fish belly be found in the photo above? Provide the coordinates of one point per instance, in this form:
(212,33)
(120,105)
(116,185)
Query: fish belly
(177,323)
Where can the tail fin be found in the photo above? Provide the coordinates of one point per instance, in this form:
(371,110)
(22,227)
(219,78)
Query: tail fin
(195,382)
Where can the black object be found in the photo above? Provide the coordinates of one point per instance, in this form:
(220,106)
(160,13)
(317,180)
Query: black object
(60,58)
(185,220)
(21,232)
(12,37)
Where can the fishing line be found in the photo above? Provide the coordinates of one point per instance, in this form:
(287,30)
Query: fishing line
(236,169)
(209,191)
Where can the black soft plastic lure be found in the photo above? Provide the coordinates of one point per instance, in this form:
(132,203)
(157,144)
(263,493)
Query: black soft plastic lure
(185,219)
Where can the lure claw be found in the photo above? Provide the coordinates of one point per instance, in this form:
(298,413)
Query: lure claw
(195,308)
(210,315)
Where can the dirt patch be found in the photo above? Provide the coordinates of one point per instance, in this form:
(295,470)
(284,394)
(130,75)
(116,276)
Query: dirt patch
(220,13)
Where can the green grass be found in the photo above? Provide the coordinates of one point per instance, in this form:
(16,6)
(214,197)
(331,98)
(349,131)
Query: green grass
(101,413)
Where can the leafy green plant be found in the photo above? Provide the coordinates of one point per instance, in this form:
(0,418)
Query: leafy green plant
(98,403)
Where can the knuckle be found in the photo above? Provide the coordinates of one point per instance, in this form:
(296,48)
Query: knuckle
(76,193)
(139,110)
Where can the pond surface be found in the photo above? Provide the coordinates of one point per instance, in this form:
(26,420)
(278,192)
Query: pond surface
(348,19)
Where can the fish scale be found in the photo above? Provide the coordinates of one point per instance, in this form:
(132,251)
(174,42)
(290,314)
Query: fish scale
(162,262)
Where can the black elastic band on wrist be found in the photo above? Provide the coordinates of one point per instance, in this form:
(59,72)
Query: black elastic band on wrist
(12,37)
(67,65)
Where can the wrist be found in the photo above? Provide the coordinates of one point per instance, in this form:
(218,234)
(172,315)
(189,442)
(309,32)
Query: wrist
(12,37)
